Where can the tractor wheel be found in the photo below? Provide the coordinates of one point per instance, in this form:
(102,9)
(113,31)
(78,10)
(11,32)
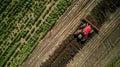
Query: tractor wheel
(75,35)
(83,25)
(80,36)
(91,32)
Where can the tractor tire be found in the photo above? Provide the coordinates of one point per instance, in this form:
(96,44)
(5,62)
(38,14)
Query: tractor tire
(75,35)
(83,26)
(91,32)
(80,36)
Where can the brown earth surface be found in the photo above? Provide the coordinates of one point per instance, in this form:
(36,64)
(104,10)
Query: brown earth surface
(66,25)
(103,48)
(104,45)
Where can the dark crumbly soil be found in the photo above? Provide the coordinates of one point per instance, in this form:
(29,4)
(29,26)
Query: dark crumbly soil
(69,47)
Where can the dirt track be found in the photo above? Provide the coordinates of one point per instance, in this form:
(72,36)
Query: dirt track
(70,47)
(65,26)
(103,48)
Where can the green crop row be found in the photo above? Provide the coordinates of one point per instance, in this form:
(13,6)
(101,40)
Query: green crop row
(115,62)
(23,25)
(3,5)
(10,47)
(7,28)
(21,32)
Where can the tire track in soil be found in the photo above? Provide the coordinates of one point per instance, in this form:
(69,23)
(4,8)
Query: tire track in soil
(88,51)
(64,31)
(94,46)
(54,61)
(38,47)
(46,41)
(54,42)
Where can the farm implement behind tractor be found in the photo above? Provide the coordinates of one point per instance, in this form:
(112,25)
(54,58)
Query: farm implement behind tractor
(87,28)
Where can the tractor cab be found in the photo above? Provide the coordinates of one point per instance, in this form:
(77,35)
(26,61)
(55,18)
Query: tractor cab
(87,28)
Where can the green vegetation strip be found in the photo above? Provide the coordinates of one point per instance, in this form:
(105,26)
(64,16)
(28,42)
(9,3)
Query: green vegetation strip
(18,34)
(115,62)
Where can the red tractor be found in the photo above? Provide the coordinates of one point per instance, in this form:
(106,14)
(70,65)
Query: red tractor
(87,28)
